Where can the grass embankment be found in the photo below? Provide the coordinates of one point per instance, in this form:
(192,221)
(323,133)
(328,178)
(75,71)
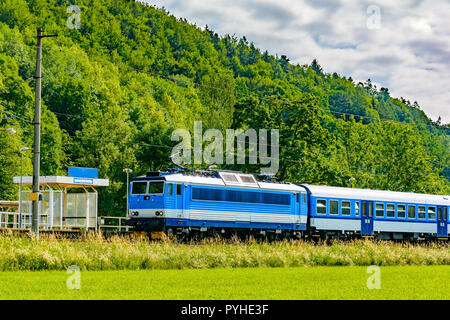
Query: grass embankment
(118,253)
(399,282)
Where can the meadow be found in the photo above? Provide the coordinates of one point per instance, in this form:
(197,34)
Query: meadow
(94,253)
(349,282)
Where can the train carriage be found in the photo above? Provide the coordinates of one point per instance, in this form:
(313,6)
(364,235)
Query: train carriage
(342,212)
(228,202)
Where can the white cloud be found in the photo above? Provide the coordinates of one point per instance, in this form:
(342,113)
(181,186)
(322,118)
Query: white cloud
(409,53)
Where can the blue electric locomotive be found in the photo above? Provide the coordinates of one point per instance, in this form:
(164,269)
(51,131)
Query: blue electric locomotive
(224,202)
(227,201)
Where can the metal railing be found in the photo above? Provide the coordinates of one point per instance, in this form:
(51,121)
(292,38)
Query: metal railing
(10,219)
(120,226)
(5,219)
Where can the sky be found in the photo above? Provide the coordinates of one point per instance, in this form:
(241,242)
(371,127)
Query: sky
(403,45)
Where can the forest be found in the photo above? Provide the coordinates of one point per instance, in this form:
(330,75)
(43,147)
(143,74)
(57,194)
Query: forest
(115,89)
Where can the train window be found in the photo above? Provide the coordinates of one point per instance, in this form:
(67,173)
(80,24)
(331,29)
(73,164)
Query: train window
(432,213)
(321,206)
(297,196)
(345,208)
(379,210)
(390,210)
(334,207)
(156,187)
(304,198)
(442,213)
(170,189)
(178,189)
(401,211)
(422,212)
(139,188)
(240,196)
(411,212)
(357,208)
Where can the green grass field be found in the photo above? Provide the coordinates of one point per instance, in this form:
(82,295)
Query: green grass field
(117,253)
(135,268)
(348,282)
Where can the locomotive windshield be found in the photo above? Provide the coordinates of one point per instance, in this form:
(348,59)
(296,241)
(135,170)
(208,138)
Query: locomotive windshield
(156,187)
(147,187)
(139,188)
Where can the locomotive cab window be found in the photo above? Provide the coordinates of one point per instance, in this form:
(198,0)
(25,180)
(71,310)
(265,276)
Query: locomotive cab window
(411,212)
(139,187)
(178,189)
(170,189)
(334,207)
(321,206)
(156,187)
(401,211)
(379,210)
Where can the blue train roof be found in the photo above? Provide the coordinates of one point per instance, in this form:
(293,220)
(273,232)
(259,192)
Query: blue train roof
(377,195)
(223,178)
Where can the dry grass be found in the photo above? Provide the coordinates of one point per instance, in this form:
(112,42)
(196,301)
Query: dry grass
(135,253)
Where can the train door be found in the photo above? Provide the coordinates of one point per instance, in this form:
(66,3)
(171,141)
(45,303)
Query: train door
(297,207)
(442,216)
(367,218)
(179,200)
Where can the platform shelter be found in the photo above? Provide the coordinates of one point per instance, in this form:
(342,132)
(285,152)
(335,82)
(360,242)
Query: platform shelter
(65,202)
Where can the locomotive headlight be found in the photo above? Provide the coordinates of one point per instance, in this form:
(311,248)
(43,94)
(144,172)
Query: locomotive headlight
(159,213)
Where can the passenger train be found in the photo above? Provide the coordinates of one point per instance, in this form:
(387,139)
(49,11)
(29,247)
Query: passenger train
(225,202)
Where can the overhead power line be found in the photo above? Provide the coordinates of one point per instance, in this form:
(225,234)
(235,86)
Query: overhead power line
(16,117)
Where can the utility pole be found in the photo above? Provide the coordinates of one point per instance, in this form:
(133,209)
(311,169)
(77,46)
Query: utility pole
(37,134)
(128,171)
